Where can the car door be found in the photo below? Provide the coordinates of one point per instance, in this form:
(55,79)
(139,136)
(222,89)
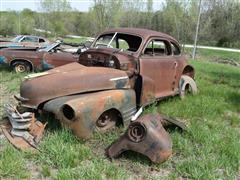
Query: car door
(158,64)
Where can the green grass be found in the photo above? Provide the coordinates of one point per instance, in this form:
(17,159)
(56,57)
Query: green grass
(12,163)
(210,149)
(75,40)
(212,55)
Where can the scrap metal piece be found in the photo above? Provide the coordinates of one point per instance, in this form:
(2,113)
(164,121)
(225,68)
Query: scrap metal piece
(170,121)
(147,136)
(23,130)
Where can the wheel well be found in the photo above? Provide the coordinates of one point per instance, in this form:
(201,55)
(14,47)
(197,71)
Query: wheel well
(189,71)
(118,114)
(22,60)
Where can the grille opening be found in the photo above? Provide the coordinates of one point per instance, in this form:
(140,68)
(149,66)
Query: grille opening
(68,112)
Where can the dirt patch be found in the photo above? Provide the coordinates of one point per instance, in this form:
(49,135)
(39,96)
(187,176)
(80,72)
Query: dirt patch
(2,140)
(226,61)
(34,170)
(5,97)
(160,173)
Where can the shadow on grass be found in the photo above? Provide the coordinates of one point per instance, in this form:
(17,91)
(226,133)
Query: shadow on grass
(5,68)
(52,123)
(135,157)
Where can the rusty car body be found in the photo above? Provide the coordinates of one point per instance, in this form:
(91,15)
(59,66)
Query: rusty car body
(24,41)
(124,70)
(30,58)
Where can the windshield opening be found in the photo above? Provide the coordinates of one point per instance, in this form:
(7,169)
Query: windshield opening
(17,39)
(119,41)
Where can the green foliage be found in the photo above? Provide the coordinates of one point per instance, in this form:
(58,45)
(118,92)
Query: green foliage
(9,23)
(219,23)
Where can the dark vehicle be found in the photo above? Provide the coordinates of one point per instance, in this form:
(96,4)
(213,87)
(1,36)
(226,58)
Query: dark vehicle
(124,70)
(30,59)
(24,41)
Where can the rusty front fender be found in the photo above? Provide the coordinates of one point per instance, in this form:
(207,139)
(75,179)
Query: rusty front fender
(80,112)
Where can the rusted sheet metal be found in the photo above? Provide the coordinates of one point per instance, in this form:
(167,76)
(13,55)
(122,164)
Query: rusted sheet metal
(173,122)
(31,55)
(145,34)
(40,59)
(22,130)
(71,79)
(86,113)
(52,60)
(147,136)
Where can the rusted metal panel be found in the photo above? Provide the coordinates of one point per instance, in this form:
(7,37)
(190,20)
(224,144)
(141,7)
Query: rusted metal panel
(32,56)
(145,34)
(81,112)
(53,60)
(71,79)
(23,130)
(147,136)
(37,59)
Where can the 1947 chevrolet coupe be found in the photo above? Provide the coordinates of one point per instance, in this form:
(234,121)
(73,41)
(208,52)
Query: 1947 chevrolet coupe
(124,69)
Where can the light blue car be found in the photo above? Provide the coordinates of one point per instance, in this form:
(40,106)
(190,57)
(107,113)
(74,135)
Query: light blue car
(24,41)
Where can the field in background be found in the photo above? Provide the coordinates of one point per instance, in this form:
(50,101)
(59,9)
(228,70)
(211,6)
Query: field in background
(218,56)
(208,150)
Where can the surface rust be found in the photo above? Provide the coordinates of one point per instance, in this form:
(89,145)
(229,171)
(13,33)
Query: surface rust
(147,136)
(23,131)
(88,108)
(40,60)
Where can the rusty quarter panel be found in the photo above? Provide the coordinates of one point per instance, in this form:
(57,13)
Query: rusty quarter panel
(32,56)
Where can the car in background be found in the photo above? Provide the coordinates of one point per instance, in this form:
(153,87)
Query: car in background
(24,41)
(30,59)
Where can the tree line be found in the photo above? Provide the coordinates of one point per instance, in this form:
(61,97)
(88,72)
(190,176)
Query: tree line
(219,23)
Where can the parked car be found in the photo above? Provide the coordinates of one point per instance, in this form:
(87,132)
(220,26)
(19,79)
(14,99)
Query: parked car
(24,41)
(125,70)
(30,59)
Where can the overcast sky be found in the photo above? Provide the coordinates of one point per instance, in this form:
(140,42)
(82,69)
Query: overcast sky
(81,5)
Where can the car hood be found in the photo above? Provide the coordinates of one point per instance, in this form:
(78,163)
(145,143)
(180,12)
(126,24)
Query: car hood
(70,79)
